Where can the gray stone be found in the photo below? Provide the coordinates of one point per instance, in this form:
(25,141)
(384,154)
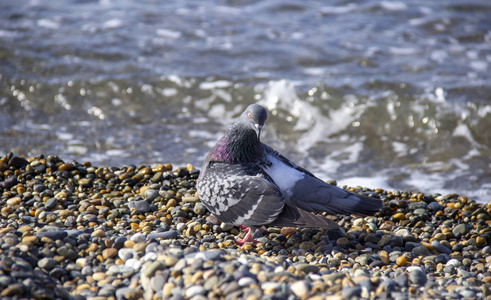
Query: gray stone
(440,247)
(388,285)
(199,209)
(107,291)
(166,235)
(362,260)
(442,258)
(206,255)
(418,277)
(396,241)
(417,205)
(151,267)
(50,203)
(47,263)
(419,250)
(453,263)
(121,270)
(351,291)
(151,194)
(302,267)
(421,212)
(140,206)
(460,229)
(157,282)
(435,206)
(54,235)
(402,280)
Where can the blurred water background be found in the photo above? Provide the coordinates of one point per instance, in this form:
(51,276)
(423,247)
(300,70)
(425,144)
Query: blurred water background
(390,94)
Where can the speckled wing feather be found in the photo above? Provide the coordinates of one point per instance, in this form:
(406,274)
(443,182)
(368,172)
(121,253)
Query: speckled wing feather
(239,194)
(312,194)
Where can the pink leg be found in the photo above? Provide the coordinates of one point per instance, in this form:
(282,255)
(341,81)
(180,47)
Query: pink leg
(246,239)
(244,228)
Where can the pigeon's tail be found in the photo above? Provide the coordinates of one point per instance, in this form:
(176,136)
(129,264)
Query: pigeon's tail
(355,204)
(295,217)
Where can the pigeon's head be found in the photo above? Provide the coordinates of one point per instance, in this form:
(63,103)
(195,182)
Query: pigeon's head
(254,117)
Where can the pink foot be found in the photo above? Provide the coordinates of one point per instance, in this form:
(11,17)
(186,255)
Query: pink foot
(247,238)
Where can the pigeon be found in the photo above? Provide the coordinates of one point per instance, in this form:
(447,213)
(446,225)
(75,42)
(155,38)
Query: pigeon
(246,183)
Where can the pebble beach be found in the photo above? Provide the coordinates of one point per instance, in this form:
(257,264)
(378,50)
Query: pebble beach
(71,230)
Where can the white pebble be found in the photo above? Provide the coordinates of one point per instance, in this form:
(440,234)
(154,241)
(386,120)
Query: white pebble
(246,281)
(138,238)
(453,262)
(194,291)
(133,263)
(180,226)
(300,288)
(150,256)
(126,253)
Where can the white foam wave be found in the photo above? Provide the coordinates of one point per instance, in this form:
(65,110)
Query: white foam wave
(393,5)
(167,33)
(309,118)
(49,23)
(111,24)
(219,84)
(335,10)
(372,182)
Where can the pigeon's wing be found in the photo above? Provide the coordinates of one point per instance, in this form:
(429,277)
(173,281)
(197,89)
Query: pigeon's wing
(306,191)
(313,194)
(239,194)
(292,216)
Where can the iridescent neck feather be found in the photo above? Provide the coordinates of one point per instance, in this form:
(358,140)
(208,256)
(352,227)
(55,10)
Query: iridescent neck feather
(238,145)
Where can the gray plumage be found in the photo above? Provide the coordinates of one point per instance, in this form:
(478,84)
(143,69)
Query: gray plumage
(245,182)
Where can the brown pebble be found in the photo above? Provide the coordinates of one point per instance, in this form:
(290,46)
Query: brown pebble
(64,213)
(65,167)
(342,241)
(140,247)
(384,257)
(109,253)
(99,276)
(401,261)
(158,168)
(133,295)
(129,244)
(24,228)
(480,241)
(287,231)
(99,233)
(13,201)
(30,240)
(167,290)
(399,216)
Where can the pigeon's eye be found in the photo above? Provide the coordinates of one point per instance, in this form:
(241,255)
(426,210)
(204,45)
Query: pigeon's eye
(249,115)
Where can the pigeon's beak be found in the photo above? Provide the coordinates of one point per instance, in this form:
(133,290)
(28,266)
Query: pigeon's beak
(258,130)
